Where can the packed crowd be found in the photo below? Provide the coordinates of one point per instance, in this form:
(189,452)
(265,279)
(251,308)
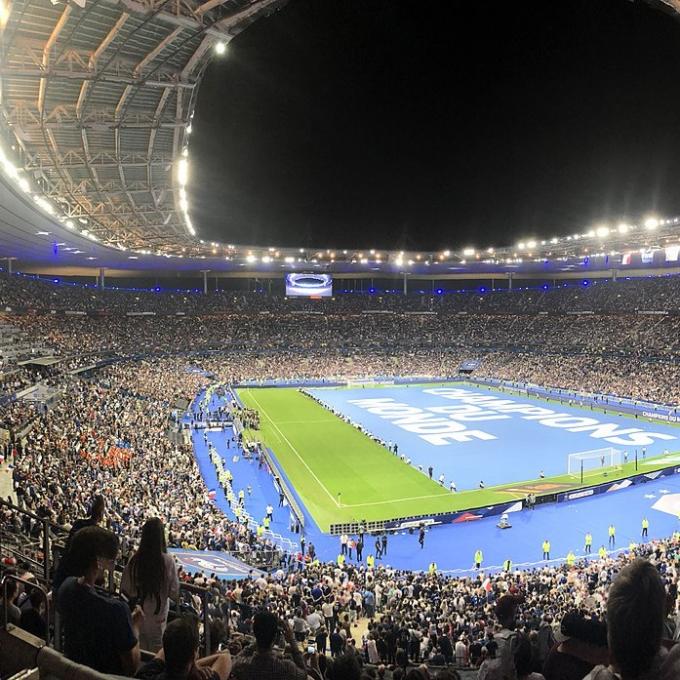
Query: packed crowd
(599,619)
(112,433)
(19,293)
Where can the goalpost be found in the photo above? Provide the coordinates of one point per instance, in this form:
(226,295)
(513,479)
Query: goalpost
(594,462)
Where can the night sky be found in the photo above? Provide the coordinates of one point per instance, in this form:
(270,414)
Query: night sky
(392,124)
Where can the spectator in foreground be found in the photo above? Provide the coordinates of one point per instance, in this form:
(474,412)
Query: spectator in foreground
(636,610)
(33,616)
(177,660)
(264,661)
(13,612)
(94,518)
(581,644)
(98,630)
(150,579)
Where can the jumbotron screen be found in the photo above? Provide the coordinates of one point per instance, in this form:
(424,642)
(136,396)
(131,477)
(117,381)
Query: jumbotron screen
(309,285)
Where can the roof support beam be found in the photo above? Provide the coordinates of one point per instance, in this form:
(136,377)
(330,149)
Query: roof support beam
(108,39)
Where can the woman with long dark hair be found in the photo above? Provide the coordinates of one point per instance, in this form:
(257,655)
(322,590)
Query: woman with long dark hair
(150,578)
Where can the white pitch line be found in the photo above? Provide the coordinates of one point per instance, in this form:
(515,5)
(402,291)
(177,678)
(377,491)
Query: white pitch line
(294,450)
(395,500)
(306,422)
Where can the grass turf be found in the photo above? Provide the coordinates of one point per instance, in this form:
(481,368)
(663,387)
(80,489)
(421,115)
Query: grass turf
(323,456)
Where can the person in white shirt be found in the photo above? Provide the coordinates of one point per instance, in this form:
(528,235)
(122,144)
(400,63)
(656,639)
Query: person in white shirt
(328,614)
(314,621)
(270,513)
(343,544)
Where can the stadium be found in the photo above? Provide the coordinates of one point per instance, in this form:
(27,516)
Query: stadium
(224,458)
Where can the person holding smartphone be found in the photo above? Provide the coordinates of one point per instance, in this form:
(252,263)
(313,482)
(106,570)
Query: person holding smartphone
(266,662)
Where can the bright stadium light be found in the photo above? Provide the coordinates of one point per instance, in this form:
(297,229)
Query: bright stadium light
(622,228)
(183,171)
(531,244)
(250,258)
(602,231)
(5,8)
(651,223)
(469,252)
(220,48)
(520,246)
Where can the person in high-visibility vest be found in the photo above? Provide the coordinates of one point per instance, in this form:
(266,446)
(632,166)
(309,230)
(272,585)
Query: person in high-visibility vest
(260,530)
(676,536)
(602,552)
(507,565)
(432,568)
(645,527)
(589,543)
(571,558)
(370,561)
(266,522)
(546,549)
(631,546)
(341,559)
(612,535)
(479,557)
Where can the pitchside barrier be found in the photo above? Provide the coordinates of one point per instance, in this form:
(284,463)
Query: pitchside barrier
(607,402)
(474,514)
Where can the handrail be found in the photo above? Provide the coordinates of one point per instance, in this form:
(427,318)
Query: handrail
(29,584)
(203,593)
(45,533)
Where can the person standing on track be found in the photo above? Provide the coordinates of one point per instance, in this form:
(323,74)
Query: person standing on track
(378,548)
(479,558)
(645,527)
(421,536)
(343,544)
(589,543)
(612,536)
(384,544)
(546,549)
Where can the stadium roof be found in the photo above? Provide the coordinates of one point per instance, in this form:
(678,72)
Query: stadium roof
(96,102)
(97,98)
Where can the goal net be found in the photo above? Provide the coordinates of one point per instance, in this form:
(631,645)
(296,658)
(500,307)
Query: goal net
(593,463)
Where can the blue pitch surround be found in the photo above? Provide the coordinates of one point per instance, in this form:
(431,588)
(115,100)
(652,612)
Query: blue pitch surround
(452,547)
(501,443)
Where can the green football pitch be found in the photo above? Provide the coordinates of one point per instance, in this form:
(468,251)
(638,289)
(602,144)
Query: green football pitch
(342,475)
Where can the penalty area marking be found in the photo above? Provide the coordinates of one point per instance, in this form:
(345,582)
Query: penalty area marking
(295,451)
